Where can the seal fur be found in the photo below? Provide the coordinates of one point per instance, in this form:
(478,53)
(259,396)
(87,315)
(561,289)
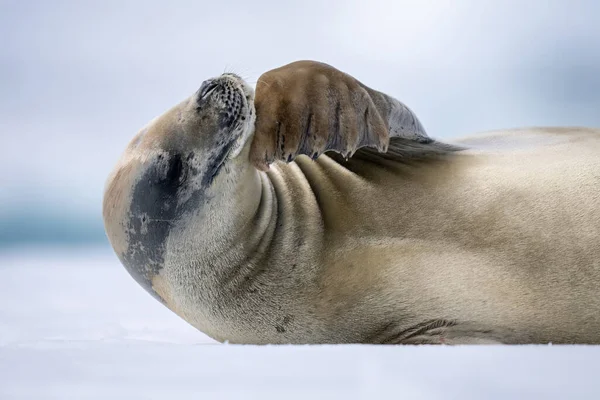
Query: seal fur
(406,241)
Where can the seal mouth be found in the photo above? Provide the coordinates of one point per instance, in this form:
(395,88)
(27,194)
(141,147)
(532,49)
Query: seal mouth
(236,98)
(243,94)
(238,116)
(243,118)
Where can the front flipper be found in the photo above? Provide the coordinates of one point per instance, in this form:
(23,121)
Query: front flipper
(309,108)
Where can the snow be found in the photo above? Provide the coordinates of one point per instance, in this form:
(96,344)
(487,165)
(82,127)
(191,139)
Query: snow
(74,325)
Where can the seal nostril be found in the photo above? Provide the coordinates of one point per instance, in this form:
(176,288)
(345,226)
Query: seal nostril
(207,88)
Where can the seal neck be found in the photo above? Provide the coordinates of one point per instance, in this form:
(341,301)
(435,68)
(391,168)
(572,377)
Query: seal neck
(234,233)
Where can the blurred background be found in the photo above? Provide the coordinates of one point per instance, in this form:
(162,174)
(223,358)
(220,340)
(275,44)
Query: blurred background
(79,78)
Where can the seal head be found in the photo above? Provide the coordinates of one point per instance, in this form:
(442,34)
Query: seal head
(168,170)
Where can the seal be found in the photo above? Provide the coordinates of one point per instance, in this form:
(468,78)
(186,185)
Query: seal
(318,210)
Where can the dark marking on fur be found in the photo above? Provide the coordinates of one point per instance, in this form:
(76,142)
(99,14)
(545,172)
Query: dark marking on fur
(336,133)
(152,213)
(366,137)
(337,119)
(280,138)
(164,195)
(304,147)
(155,210)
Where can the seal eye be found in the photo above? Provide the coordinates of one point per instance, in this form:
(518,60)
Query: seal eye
(206,89)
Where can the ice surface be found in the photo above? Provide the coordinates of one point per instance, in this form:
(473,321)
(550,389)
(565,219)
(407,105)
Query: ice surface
(84,294)
(74,325)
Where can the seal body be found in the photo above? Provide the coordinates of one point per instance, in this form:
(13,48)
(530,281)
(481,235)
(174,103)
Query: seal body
(496,243)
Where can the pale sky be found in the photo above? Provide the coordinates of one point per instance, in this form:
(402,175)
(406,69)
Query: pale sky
(79,78)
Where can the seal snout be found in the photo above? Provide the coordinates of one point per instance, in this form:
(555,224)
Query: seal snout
(226,102)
